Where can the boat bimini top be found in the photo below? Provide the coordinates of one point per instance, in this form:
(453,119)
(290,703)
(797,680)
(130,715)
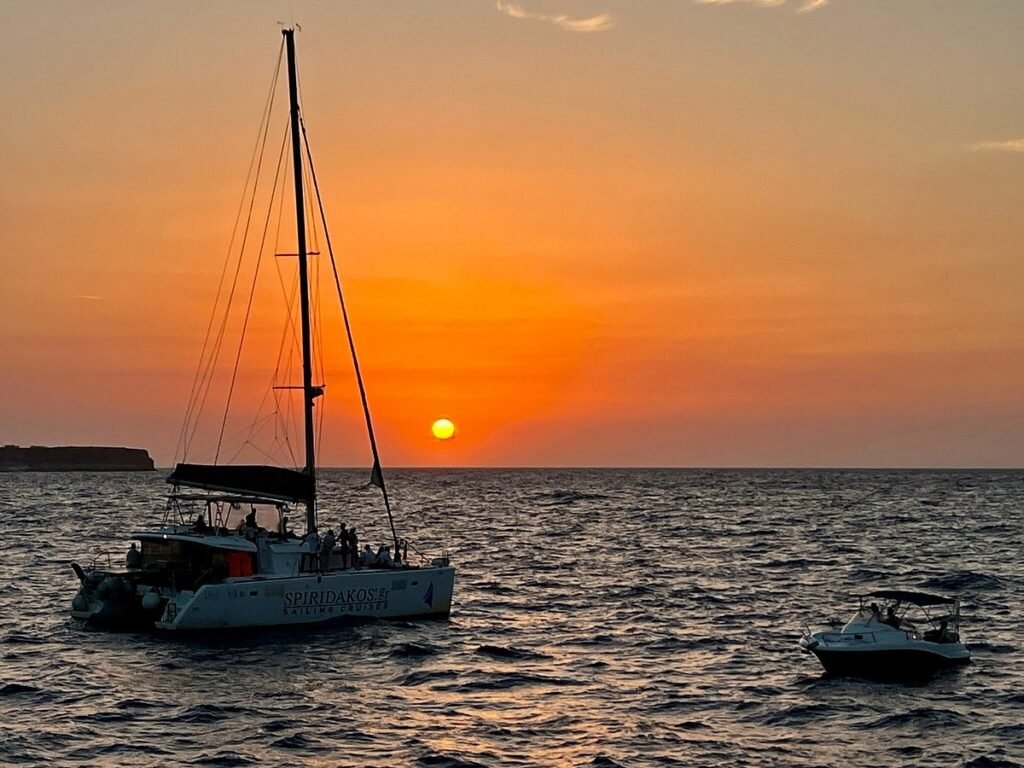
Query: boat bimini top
(940,612)
(915,598)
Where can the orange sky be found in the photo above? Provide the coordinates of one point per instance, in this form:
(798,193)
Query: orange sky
(663,233)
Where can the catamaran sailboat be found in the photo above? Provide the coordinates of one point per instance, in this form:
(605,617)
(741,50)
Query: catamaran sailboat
(223,556)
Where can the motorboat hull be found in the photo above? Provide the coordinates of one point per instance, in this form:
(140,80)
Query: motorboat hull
(881,651)
(906,663)
(883,641)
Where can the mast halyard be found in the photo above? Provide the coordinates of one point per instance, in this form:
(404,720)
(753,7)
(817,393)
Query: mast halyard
(308,392)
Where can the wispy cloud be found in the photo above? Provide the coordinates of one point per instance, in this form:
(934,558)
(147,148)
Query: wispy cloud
(599,23)
(1010,145)
(805,5)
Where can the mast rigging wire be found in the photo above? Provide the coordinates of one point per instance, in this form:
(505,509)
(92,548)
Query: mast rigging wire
(184,438)
(206,380)
(376,474)
(252,294)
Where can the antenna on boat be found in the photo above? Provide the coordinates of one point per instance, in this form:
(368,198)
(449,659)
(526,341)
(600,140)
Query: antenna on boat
(309,392)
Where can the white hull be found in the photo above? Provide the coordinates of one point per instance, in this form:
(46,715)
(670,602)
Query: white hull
(272,601)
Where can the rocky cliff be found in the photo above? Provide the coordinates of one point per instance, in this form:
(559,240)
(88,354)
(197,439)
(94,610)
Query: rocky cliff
(14,458)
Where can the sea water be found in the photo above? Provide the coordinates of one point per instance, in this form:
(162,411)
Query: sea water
(601,618)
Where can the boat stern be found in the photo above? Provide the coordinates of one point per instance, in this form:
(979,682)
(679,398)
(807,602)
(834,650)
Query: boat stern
(112,599)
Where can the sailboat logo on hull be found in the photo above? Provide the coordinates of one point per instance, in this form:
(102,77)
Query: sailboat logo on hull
(429,597)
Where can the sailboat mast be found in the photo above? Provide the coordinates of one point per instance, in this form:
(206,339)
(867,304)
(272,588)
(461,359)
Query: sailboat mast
(308,394)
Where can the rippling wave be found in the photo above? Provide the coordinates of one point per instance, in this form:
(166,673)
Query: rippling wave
(601,618)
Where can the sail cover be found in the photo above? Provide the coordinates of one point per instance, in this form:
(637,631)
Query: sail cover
(265,482)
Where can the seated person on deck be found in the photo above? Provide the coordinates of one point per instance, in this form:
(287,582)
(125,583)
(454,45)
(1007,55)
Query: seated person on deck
(384,558)
(366,557)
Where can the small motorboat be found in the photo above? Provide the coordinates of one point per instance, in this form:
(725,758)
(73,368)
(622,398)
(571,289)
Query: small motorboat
(893,634)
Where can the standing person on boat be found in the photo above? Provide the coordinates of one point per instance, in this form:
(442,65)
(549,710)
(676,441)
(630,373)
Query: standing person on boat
(353,546)
(326,548)
(343,545)
(310,549)
(134,557)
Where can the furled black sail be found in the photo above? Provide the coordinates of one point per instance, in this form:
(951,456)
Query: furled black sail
(263,482)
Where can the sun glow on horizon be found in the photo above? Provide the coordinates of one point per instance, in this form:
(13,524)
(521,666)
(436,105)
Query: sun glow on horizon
(590,244)
(442,429)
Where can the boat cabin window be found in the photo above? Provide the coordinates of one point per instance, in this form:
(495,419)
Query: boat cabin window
(221,515)
(188,565)
(266,517)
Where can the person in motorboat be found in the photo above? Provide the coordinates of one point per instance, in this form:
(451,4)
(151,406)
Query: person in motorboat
(876,614)
(133,559)
(891,618)
(939,634)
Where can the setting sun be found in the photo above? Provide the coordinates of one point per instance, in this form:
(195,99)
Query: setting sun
(442,429)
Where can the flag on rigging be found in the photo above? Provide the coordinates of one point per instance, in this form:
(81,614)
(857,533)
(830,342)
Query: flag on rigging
(376,476)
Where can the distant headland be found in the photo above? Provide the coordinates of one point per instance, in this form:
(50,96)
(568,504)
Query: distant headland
(38,458)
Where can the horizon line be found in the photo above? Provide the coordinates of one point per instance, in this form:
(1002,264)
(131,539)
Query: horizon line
(709,468)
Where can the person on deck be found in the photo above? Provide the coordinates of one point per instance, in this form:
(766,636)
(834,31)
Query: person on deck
(200,524)
(353,546)
(134,557)
(367,559)
(326,548)
(282,527)
(343,546)
(310,549)
(384,558)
